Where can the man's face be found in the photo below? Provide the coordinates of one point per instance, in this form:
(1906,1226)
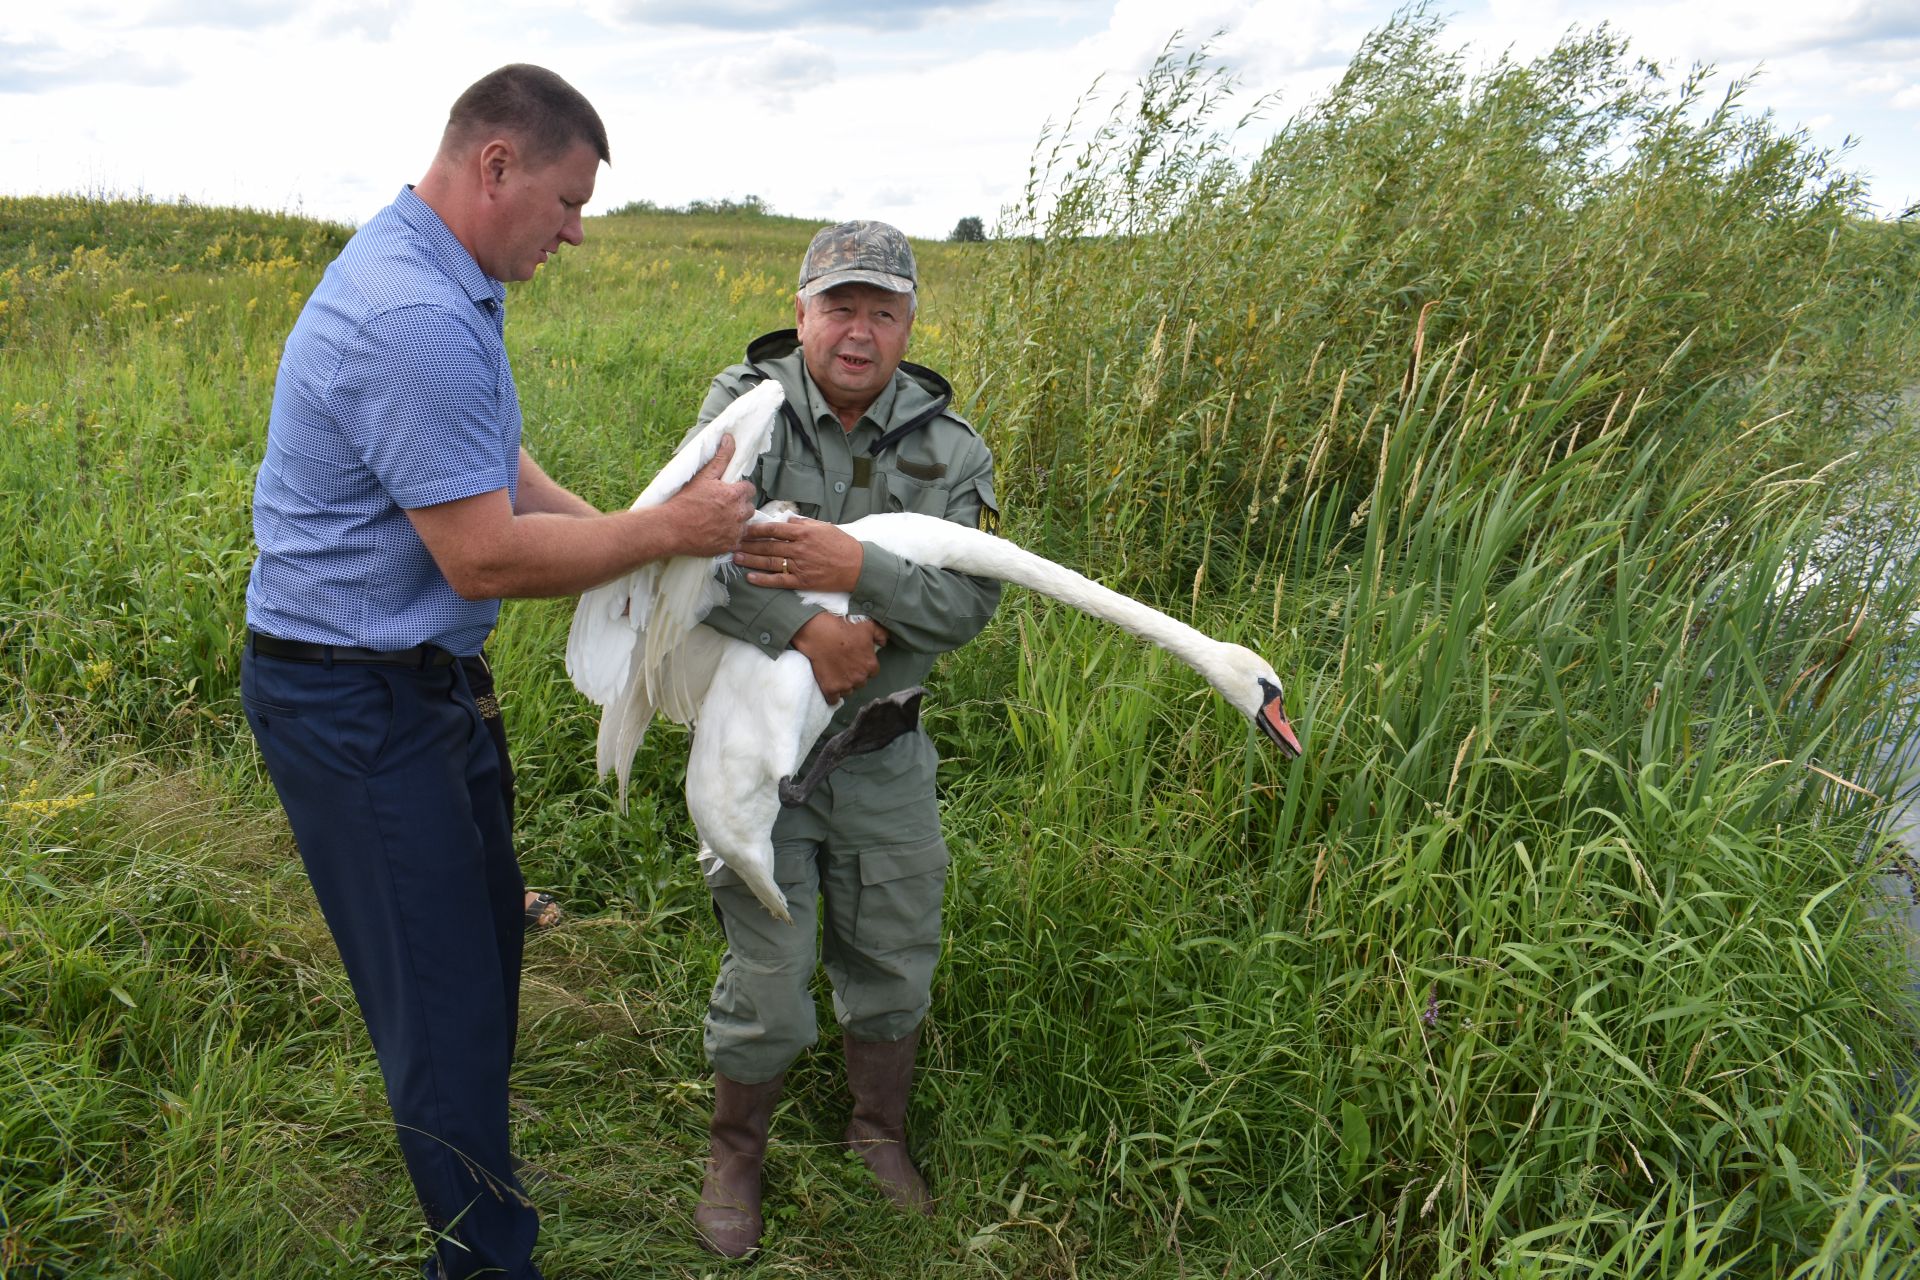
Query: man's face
(853,337)
(535,209)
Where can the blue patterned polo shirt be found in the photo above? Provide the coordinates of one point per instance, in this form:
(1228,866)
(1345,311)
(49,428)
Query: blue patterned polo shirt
(393,393)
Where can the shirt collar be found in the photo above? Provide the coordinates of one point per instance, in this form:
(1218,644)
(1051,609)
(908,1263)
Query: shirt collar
(451,255)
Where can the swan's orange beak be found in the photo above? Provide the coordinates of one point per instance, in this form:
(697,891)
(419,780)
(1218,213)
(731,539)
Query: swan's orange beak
(1273,722)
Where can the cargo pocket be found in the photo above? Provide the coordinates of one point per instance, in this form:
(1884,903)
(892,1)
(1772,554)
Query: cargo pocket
(900,891)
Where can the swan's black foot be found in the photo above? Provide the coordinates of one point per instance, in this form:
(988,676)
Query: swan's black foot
(873,727)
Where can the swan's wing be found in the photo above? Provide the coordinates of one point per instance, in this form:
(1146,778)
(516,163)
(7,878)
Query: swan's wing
(622,727)
(749,420)
(687,589)
(603,637)
(655,606)
(683,685)
(681,688)
(759,880)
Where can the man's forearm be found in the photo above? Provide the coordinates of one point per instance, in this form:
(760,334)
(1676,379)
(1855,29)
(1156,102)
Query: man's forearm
(487,552)
(549,554)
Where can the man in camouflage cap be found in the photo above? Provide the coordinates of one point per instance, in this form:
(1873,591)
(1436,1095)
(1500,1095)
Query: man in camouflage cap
(862,431)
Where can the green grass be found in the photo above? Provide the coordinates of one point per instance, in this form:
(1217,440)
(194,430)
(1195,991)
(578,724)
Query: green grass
(1564,952)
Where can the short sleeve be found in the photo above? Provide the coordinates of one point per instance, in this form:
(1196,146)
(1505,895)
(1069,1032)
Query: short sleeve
(418,396)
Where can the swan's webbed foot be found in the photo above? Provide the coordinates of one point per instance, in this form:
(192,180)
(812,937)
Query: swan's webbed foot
(873,727)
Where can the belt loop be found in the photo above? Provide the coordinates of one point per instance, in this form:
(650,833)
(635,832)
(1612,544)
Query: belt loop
(326,660)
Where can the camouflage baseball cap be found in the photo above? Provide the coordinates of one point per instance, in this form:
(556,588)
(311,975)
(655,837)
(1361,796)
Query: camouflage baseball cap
(857,253)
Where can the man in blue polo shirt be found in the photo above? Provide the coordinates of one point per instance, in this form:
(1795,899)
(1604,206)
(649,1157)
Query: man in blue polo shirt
(394,508)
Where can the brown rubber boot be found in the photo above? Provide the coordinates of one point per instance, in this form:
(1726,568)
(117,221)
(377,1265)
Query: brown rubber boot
(728,1218)
(879,1075)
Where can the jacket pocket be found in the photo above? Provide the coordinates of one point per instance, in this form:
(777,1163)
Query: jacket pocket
(791,480)
(928,497)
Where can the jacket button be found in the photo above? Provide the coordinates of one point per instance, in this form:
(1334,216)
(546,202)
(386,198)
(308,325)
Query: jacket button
(839,486)
(766,637)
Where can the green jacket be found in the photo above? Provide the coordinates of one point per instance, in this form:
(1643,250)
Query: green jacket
(907,454)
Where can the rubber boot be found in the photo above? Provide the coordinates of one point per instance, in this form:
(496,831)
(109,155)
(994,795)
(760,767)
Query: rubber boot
(879,1075)
(728,1218)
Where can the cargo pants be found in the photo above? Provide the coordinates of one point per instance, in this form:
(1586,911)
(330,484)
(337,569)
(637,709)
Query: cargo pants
(863,867)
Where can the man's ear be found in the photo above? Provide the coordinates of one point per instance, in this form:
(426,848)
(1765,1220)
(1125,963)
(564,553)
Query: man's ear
(497,159)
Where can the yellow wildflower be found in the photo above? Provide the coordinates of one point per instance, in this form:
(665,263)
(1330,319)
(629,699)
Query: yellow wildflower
(32,804)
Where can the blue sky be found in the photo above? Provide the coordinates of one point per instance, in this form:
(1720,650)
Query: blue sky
(919,112)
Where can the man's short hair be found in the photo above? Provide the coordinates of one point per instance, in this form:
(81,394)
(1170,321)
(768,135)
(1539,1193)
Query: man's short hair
(539,109)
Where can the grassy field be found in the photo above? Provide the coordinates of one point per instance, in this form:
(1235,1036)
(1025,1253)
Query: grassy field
(1505,414)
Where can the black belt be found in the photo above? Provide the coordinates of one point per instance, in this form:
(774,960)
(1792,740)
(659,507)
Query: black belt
(421,655)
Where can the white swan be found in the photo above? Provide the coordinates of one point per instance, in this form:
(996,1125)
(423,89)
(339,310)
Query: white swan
(755,717)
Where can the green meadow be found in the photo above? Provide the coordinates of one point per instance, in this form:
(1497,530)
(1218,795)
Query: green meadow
(1543,426)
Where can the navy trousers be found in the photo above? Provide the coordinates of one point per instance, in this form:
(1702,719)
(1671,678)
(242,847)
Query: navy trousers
(393,788)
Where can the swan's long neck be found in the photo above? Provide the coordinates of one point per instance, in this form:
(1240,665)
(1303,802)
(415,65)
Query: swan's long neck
(930,541)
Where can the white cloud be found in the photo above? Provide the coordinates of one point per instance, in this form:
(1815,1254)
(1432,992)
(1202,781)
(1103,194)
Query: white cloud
(773,73)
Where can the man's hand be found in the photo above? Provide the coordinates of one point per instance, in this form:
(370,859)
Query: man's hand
(801,555)
(843,652)
(709,514)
